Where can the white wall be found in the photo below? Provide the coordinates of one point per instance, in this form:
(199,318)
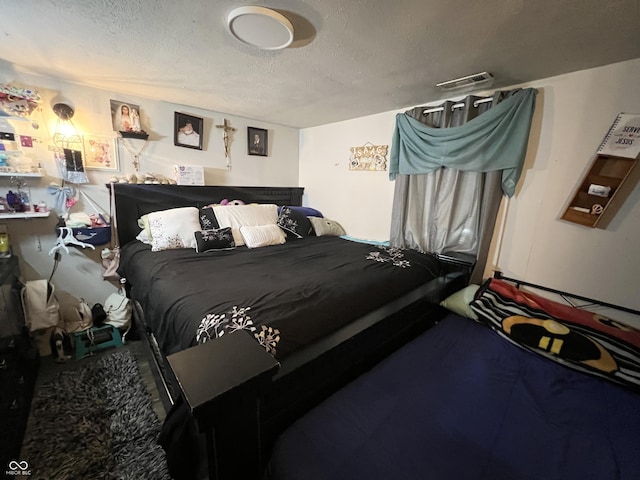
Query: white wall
(572,116)
(573,113)
(80,271)
(359,200)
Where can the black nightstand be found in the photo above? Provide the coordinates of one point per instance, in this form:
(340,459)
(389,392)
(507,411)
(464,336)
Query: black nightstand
(19,361)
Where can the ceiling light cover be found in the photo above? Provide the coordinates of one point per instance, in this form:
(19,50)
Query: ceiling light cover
(260,27)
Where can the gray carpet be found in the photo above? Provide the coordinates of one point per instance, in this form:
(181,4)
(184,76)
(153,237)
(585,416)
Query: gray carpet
(94,420)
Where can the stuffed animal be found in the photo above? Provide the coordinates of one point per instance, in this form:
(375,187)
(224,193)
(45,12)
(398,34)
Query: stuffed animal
(226,201)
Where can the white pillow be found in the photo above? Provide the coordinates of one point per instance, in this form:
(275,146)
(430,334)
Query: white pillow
(262,235)
(174,228)
(143,237)
(236,216)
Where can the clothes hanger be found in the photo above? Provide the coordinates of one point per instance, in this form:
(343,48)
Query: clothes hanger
(65,237)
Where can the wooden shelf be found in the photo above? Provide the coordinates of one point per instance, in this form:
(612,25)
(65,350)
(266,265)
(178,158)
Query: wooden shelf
(17,215)
(618,174)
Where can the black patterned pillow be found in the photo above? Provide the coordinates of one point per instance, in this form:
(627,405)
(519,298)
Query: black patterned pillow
(294,223)
(208,220)
(214,239)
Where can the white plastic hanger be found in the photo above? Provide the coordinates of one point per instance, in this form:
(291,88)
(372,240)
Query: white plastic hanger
(65,237)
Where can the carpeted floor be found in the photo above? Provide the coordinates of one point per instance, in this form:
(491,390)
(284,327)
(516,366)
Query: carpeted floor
(96,418)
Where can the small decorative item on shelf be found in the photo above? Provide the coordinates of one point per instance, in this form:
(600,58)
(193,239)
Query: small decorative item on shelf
(5,207)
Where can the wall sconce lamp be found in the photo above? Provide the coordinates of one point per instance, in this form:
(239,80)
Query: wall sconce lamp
(65,134)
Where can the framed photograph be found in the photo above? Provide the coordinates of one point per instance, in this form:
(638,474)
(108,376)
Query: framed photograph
(100,153)
(188,131)
(258,141)
(125,117)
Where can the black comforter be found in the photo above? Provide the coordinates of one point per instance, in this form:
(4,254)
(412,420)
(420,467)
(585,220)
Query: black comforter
(304,289)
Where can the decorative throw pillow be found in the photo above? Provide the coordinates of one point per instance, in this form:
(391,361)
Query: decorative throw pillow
(236,216)
(208,220)
(214,239)
(459,301)
(324,226)
(306,211)
(262,235)
(294,222)
(173,228)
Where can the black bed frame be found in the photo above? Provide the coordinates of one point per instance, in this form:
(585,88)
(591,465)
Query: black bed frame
(241,409)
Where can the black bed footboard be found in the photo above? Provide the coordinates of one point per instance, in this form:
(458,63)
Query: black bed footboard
(242,408)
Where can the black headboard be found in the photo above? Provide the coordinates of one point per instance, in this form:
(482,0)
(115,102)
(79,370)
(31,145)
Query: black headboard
(133,200)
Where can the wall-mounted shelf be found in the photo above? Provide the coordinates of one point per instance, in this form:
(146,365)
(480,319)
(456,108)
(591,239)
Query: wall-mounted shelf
(612,175)
(602,190)
(37,174)
(17,215)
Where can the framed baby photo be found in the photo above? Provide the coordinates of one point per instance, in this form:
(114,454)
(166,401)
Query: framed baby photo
(258,141)
(188,131)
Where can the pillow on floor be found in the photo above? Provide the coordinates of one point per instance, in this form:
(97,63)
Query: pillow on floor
(459,301)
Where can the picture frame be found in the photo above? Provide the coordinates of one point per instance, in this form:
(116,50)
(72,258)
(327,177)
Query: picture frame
(188,131)
(257,141)
(125,118)
(100,153)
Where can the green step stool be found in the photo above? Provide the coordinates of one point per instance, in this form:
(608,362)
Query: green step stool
(96,338)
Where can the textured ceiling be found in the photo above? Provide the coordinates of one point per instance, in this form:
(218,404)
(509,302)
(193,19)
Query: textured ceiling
(349,58)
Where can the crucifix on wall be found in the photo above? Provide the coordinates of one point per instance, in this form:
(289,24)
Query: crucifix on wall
(227,130)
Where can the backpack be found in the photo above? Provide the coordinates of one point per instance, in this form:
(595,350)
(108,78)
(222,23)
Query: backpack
(40,306)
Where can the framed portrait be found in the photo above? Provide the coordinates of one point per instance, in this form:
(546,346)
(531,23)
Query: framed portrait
(100,153)
(125,117)
(187,131)
(258,141)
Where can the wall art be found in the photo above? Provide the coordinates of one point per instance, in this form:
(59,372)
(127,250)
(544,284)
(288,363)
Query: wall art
(125,117)
(369,157)
(100,153)
(188,131)
(258,141)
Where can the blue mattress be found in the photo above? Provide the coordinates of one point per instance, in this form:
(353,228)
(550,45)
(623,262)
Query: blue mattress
(460,402)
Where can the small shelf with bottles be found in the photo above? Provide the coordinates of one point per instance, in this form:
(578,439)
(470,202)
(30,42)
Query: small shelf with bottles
(8,210)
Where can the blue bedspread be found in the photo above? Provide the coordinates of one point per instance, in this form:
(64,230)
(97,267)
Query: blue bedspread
(460,402)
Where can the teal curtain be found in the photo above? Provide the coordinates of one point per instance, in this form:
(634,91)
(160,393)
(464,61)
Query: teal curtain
(495,140)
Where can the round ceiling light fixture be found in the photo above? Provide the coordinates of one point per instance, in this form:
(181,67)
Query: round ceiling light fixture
(260,27)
